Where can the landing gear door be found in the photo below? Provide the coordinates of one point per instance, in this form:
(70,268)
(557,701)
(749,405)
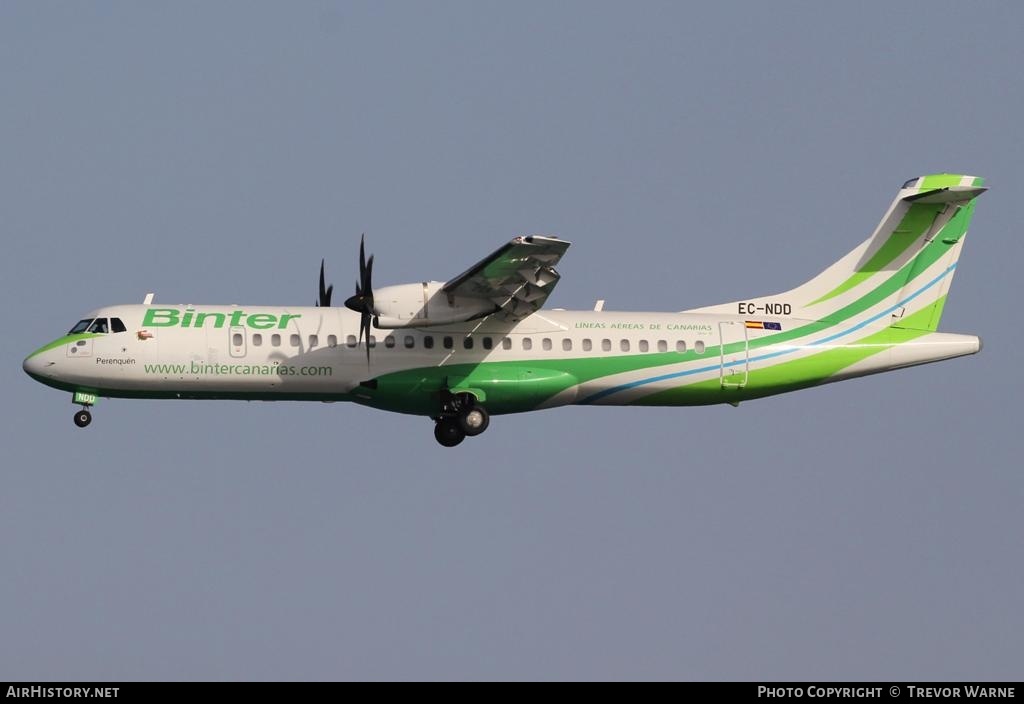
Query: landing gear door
(734,352)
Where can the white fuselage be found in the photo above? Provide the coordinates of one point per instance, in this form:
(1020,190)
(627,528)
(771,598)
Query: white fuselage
(314,353)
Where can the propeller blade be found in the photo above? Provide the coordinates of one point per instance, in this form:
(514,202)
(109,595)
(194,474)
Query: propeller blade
(362,301)
(362,255)
(325,291)
(368,284)
(364,323)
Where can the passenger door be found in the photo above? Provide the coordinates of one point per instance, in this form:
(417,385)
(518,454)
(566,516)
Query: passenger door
(734,350)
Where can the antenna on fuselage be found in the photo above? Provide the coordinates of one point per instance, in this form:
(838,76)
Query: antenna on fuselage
(148,300)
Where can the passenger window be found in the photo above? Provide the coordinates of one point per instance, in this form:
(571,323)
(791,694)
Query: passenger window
(351,341)
(332,340)
(467,342)
(488,343)
(681,346)
(662,346)
(389,341)
(506,343)
(275,340)
(527,343)
(624,345)
(293,340)
(314,340)
(566,344)
(117,326)
(698,347)
(371,341)
(257,339)
(447,342)
(99,325)
(428,342)
(236,339)
(587,344)
(606,345)
(644,346)
(409,342)
(546,344)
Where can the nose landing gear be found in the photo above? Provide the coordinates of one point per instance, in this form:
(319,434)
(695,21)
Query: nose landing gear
(83,418)
(85,399)
(461,417)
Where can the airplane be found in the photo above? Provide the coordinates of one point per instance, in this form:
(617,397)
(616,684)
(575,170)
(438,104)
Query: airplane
(481,344)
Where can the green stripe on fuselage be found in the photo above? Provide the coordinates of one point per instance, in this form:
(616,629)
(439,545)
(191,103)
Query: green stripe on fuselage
(67,339)
(796,374)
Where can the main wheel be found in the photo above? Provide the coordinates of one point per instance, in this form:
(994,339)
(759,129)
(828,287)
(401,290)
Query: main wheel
(474,420)
(448,433)
(83,418)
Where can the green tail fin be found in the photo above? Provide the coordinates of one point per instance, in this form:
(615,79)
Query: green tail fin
(903,268)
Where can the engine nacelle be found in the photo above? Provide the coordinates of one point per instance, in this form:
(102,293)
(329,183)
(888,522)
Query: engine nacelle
(425,304)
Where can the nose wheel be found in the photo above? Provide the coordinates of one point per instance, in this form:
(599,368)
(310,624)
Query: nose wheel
(83,418)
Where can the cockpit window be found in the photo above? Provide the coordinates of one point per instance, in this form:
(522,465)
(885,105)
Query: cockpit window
(80,326)
(99,325)
(117,326)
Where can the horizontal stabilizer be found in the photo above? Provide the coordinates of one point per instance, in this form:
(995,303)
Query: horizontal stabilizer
(952,194)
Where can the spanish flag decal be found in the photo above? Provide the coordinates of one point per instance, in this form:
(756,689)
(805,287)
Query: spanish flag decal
(762,325)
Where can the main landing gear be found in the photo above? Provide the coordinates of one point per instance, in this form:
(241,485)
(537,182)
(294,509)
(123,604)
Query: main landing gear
(461,417)
(83,418)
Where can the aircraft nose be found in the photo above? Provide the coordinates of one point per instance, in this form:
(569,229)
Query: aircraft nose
(31,365)
(35,363)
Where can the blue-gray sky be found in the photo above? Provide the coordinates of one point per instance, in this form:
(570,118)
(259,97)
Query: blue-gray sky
(693,153)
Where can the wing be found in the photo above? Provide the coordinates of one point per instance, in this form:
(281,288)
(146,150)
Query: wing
(517,278)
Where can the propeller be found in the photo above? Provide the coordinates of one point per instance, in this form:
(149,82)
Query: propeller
(325,292)
(362,302)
